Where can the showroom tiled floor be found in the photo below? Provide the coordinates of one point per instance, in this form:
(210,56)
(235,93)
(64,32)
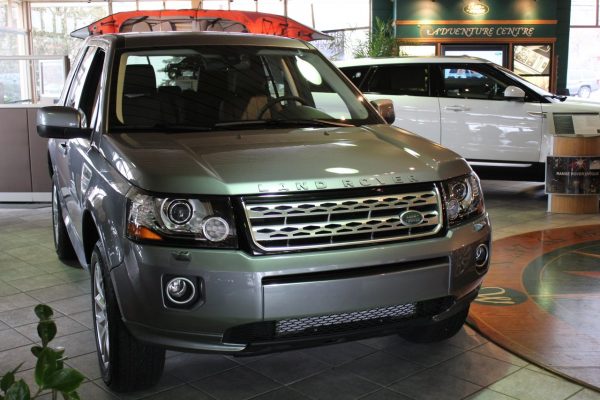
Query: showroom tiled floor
(464,367)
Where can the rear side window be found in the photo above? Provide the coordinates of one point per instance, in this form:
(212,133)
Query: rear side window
(411,80)
(356,74)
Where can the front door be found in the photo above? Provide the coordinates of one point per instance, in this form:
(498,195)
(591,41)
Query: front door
(479,123)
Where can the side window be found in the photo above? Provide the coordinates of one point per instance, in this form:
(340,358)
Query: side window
(471,83)
(411,80)
(356,74)
(84,91)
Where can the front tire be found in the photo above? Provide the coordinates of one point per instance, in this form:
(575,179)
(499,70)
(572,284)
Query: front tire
(126,364)
(584,92)
(437,331)
(62,243)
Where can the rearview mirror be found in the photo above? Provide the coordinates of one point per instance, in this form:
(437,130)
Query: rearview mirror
(58,122)
(385,108)
(514,93)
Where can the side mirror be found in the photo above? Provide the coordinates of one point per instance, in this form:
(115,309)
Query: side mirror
(385,108)
(563,92)
(514,93)
(57,122)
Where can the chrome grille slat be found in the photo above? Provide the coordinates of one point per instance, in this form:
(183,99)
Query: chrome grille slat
(344,229)
(291,225)
(324,208)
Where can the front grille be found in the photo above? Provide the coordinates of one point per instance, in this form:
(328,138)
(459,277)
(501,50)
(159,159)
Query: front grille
(336,322)
(290,225)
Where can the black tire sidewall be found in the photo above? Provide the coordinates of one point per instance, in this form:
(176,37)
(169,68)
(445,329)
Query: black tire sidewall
(112,310)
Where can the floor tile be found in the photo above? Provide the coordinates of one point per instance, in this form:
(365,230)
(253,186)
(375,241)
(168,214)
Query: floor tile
(586,394)
(19,272)
(73,305)
(429,385)
(289,367)
(84,318)
(236,383)
(282,394)
(89,390)
(87,364)
(10,338)
(477,368)
(21,316)
(37,282)
(7,290)
(381,368)
(183,392)
(385,394)
(15,301)
(9,359)
(426,355)
(465,341)
(530,385)
(77,344)
(487,394)
(59,292)
(338,354)
(166,382)
(335,384)
(64,326)
(192,367)
(492,350)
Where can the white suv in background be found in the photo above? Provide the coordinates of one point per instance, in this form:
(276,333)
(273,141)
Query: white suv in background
(501,123)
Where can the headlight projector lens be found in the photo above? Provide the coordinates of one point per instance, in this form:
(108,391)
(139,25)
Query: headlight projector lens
(215,229)
(180,212)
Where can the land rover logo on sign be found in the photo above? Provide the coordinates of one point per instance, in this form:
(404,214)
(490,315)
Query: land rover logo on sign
(478,8)
(411,218)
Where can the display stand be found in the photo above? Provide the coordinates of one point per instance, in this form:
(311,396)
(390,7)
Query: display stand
(574,164)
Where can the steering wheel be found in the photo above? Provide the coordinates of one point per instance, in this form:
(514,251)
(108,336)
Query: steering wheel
(277,100)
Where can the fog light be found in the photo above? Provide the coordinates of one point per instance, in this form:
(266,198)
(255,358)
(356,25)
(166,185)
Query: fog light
(482,254)
(215,229)
(180,290)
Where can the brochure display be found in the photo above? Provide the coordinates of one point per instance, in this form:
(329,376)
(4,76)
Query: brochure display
(573,174)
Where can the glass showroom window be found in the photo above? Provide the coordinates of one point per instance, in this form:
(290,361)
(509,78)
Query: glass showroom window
(51,24)
(583,75)
(584,12)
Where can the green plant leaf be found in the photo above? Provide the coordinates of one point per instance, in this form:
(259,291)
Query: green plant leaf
(46,365)
(35,350)
(18,391)
(65,380)
(43,312)
(7,380)
(71,396)
(47,331)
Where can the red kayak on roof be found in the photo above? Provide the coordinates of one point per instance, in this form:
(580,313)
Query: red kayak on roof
(199,20)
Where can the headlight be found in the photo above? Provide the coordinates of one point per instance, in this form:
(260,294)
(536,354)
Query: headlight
(191,221)
(464,199)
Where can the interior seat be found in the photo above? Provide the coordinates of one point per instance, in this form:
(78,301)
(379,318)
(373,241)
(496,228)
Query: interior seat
(141,105)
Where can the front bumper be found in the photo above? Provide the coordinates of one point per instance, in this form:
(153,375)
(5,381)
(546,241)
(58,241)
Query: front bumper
(242,291)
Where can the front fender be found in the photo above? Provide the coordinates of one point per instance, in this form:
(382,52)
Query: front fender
(106,203)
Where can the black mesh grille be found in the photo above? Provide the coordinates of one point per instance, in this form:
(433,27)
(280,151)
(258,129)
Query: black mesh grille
(335,323)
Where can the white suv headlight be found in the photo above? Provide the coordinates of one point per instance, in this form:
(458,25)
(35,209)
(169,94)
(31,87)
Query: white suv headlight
(178,220)
(463,199)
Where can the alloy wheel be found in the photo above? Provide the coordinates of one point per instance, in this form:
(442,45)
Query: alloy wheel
(101,317)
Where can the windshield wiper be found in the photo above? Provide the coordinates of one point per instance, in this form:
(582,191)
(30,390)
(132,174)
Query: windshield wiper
(281,122)
(162,128)
(556,96)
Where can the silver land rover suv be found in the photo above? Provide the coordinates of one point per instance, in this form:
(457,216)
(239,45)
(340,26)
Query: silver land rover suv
(234,193)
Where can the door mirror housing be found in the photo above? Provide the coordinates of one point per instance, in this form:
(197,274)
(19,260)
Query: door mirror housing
(514,93)
(58,122)
(385,108)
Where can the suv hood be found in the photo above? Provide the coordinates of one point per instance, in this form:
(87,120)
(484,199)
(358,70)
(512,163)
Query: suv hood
(278,160)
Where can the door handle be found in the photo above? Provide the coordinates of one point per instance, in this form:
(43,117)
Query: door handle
(65,147)
(456,108)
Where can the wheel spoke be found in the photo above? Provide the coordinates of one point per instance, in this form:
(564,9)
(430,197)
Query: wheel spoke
(101,316)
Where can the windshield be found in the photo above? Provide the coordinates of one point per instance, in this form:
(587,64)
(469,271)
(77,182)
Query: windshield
(231,87)
(523,81)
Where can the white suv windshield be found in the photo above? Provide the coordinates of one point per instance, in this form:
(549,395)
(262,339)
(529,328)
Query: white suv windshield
(212,87)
